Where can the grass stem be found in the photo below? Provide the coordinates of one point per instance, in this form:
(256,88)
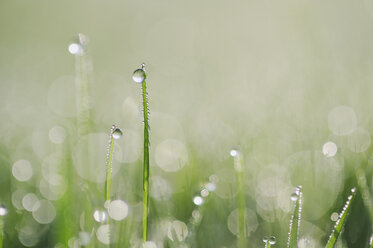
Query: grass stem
(145,196)
(341,220)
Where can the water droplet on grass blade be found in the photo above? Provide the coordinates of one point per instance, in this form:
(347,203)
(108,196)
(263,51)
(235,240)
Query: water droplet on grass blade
(139,75)
(75,49)
(198,200)
(234,152)
(265,239)
(272,240)
(100,216)
(294,197)
(3,210)
(117,133)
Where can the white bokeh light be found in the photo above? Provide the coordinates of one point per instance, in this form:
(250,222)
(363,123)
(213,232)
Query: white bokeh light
(57,135)
(329,149)
(342,120)
(118,210)
(171,155)
(22,170)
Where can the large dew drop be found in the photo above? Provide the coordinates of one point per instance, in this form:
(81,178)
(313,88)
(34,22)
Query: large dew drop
(272,240)
(139,75)
(117,133)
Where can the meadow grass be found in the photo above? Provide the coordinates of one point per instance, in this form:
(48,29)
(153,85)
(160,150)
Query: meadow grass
(207,220)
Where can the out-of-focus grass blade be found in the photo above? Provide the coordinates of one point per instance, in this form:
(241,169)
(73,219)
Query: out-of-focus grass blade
(341,220)
(364,189)
(296,197)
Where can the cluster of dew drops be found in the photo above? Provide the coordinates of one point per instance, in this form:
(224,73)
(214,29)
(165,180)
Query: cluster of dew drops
(269,240)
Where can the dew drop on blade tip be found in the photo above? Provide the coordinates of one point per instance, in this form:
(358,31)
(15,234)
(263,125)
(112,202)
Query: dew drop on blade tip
(272,240)
(117,133)
(139,75)
(294,197)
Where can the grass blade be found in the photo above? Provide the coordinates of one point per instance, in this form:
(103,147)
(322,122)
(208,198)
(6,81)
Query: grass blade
(83,79)
(269,241)
(115,133)
(139,76)
(295,218)
(242,242)
(341,220)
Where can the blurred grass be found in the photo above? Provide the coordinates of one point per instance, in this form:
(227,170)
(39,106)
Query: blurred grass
(255,74)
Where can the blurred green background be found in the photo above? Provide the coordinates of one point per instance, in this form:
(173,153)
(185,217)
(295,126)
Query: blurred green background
(276,79)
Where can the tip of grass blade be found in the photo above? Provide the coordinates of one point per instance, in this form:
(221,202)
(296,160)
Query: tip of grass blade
(341,220)
(295,219)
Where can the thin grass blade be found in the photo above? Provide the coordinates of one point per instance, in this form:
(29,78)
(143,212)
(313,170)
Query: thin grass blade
(341,220)
(295,218)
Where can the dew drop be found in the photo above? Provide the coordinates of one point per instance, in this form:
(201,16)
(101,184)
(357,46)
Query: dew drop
(353,190)
(3,210)
(204,193)
(234,152)
(294,197)
(265,239)
(139,75)
(329,149)
(334,217)
(272,240)
(75,49)
(117,133)
(198,200)
(100,216)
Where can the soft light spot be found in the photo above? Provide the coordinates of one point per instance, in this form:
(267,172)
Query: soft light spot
(30,202)
(17,197)
(84,238)
(57,135)
(177,230)
(27,236)
(204,193)
(234,152)
(329,149)
(100,216)
(3,210)
(90,158)
(198,200)
(150,244)
(160,188)
(334,216)
(359,140)
(171,155)
(251,221)
(75,49)
(342,120)
(22,170)
(103,234)
(118,210)
(210,187)
(45,213)
(61,96)
(54,188)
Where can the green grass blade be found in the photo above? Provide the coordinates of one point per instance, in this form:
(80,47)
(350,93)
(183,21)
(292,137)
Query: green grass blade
(83,78)
(242,233)
(145,196)
(295,218)
(1,231)
(341,220)
(109,164)
(364,189)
